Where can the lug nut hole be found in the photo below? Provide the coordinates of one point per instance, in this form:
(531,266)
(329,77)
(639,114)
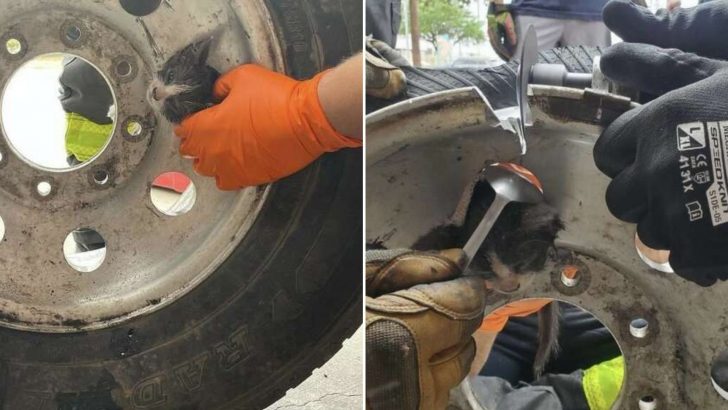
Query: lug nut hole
(647,403)
(123,69)
(13,46)
(101,177)
(570,276)
(44,188)
(134,128)
(639,328)
(73,33)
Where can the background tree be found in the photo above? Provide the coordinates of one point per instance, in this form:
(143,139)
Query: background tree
(415,27)
(448,18)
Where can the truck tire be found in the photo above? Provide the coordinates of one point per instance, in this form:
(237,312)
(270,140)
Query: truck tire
(497,82)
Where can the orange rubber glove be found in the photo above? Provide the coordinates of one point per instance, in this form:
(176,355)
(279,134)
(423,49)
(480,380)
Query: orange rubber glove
(497,320)
(267,127)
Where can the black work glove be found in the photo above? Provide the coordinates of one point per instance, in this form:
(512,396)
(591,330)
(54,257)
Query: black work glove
(668,159)
(700,29)
(85,91)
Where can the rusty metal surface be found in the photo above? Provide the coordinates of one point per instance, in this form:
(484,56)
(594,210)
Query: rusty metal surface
(416,173)
(151,259)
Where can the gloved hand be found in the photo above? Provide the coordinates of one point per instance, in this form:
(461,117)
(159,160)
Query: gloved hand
(668,159)
(699,29)
(384,76)
(85,92)
(420,321)
(267,127)
(502,30)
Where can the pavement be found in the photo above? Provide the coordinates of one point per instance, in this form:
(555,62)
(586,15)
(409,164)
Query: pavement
(336,385)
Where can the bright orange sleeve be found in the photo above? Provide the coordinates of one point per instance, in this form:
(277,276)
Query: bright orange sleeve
(497,320)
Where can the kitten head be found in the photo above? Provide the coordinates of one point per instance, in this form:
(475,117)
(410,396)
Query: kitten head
(185,83)
(521,238)
(518,243)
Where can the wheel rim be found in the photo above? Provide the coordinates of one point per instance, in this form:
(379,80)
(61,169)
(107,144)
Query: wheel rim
(151,259)
(613,283)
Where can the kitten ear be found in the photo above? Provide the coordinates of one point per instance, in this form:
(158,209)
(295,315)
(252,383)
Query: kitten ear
(201,50)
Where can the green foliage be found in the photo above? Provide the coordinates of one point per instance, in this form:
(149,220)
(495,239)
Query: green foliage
(455,2)
(449,18)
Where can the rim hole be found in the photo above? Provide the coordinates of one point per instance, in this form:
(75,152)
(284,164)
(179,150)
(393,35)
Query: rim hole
(570,276)
(530,309)
(73,33)
(173,194)
(134,128)
(13,46)
(719,374)
(123,69)
(648,403)
(84,250)
(639,328)
(101,177)
(70,134)
(44,188)
(140,8)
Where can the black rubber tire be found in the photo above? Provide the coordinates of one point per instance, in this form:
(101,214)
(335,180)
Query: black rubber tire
(497,82)
(278,308)
(576,59)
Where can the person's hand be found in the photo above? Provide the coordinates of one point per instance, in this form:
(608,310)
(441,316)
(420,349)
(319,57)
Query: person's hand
(699,29)
(420,319)
(267,127)
(85,92)
(384,76)
(510,27)
(669,158)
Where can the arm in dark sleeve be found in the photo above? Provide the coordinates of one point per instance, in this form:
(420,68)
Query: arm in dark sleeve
(383,18)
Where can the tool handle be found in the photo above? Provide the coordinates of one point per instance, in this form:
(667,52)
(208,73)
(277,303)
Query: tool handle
(578,80)
(557,74)
(481,232)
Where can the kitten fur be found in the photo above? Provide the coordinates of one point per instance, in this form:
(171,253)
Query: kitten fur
(519,241)
(185,83)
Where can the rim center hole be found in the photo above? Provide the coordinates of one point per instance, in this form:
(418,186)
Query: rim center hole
(75,102)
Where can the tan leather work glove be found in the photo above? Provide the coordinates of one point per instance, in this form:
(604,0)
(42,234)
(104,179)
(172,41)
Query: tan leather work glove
(420,319)
(384,76)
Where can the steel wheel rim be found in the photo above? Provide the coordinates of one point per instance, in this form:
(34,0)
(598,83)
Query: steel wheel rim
(152,259)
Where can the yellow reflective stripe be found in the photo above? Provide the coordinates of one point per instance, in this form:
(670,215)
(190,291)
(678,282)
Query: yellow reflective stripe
(84,138)
(602,383)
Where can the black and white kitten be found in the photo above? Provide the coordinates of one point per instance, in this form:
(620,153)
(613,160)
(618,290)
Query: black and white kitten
(185,83)
(517,245)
